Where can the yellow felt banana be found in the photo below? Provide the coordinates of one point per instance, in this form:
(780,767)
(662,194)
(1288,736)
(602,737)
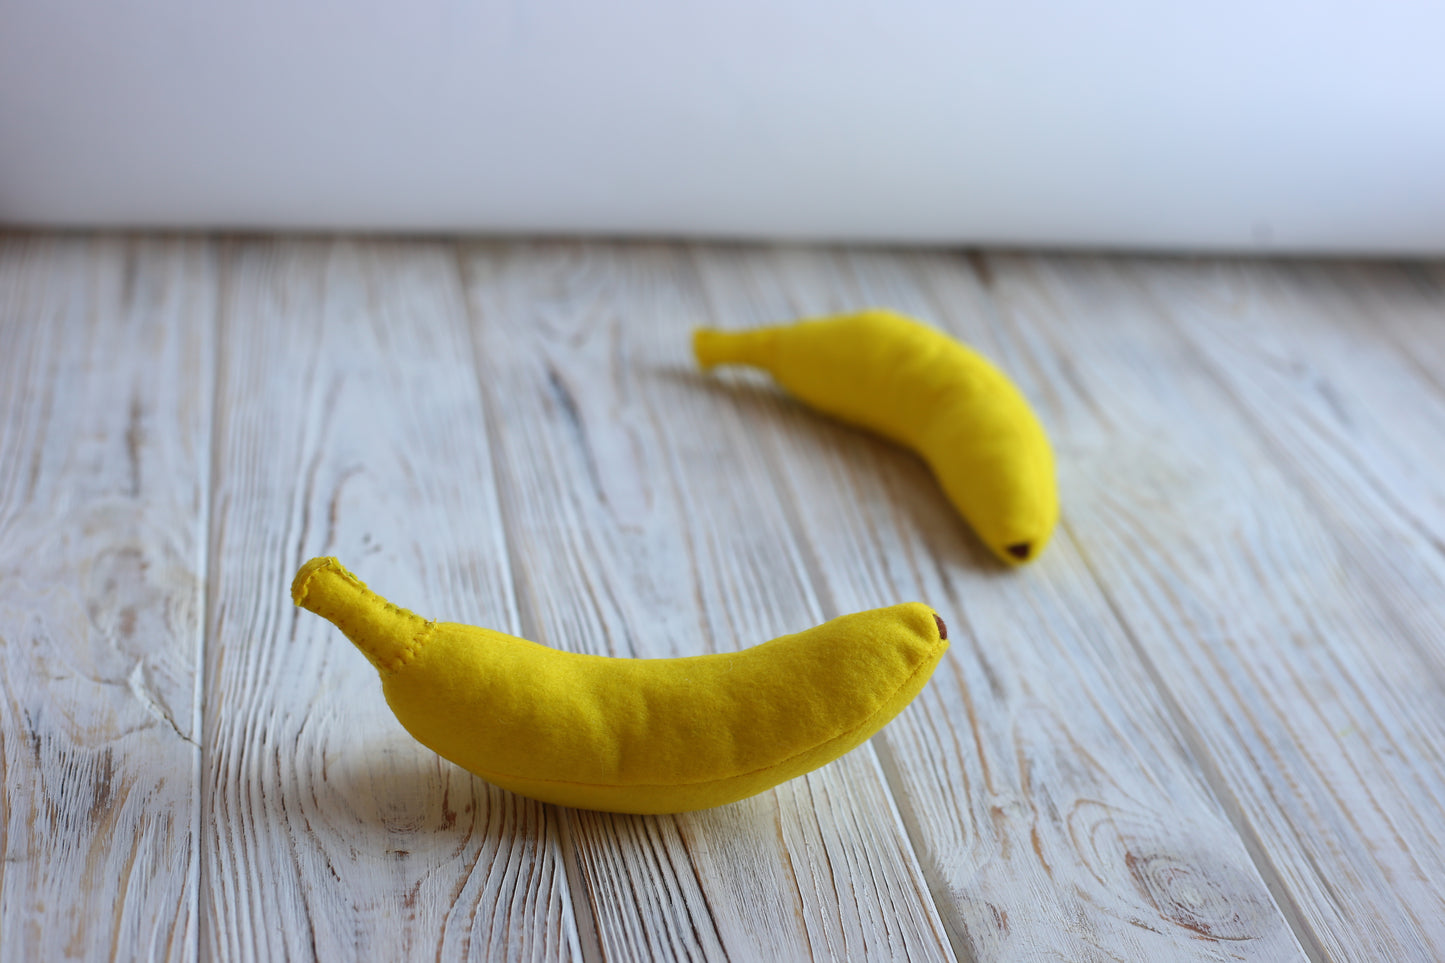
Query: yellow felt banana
(919,387)
(633,735)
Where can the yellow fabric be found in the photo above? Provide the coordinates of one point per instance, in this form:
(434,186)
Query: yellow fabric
(908,382)
(633,735)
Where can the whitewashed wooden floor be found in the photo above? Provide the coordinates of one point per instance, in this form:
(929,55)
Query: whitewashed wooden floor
(1209,724)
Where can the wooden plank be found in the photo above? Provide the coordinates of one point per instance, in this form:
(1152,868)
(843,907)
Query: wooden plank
(105,389)
(1318,719)
(1308,357)
(1343,356)
(1054,806)
(349,422)
(1403,303)
(1333,367)
(645,536)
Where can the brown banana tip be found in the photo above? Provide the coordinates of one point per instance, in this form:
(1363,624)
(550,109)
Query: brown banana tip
(942,629)
(1020,550)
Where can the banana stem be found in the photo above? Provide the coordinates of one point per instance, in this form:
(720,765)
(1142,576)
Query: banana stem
(714,347)
(386,634)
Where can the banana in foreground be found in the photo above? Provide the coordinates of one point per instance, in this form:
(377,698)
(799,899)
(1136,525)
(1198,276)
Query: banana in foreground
(917,386)
(633,735)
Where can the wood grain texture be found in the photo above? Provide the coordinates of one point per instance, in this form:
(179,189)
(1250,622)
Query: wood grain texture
(1206,725)
(1334,372)
(640,533)
(1054,807)
(105,388)
(1410,310)
(349,422)
(1357,427)
(1318,718)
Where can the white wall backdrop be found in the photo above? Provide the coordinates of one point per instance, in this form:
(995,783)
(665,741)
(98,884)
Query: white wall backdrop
(1233,124)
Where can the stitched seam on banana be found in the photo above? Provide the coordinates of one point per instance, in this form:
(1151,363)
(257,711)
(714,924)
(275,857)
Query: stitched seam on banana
(346,625)
(331,565)
(498,776)
(299,596)
(413,647)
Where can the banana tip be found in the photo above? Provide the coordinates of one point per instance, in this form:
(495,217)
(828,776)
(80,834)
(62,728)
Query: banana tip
(302,582)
